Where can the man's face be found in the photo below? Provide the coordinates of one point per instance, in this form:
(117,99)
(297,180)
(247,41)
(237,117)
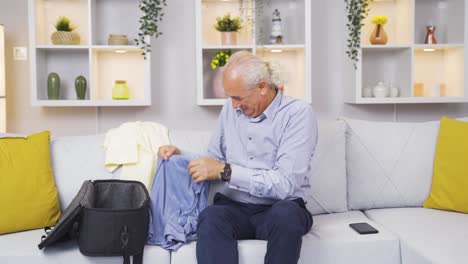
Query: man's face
(248,101)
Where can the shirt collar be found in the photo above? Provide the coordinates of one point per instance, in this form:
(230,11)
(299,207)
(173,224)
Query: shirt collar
(272,109)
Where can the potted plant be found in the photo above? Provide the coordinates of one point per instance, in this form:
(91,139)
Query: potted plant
(64,34)
(228,27)
(357,11)
(217,64)
(149,23)
(378,35)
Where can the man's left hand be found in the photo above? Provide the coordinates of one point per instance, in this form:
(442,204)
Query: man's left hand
(205,169)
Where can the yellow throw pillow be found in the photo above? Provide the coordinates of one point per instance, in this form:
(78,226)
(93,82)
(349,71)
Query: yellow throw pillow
(28,196)
(449,190)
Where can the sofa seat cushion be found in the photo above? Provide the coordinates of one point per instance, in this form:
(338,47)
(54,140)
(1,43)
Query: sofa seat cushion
(21,248)
(426,235)
(331,240)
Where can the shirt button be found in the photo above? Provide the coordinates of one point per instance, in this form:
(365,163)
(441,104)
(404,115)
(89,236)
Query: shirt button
(250,138)
(250,158)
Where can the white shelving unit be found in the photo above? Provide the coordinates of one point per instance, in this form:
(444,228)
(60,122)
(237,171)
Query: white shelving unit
(294,55)
(423,73)
(101,64)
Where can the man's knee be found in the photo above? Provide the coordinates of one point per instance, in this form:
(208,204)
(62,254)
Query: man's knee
(213,218)
(288,216)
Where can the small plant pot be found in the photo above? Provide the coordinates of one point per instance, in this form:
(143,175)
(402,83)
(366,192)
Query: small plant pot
(65,38)
(229,38)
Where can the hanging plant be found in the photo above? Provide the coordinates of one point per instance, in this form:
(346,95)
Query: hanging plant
(152,14)
(356,12)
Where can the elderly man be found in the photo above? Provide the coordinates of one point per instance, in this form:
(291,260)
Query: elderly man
(262,148)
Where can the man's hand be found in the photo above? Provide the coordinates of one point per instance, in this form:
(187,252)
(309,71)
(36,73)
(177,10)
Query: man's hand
(167,151)
(204,169)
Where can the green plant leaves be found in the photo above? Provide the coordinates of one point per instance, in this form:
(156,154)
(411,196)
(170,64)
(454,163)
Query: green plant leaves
(357,11)
(227,24)
(152,14)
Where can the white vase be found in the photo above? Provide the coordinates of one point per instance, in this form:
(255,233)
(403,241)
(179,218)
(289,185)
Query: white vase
(394,91)
(367,92)
(380,90)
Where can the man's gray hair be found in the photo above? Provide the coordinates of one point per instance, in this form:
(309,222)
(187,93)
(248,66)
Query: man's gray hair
(254,69)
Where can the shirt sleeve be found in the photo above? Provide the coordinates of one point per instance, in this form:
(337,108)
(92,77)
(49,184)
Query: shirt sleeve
(217,148)
(292,165)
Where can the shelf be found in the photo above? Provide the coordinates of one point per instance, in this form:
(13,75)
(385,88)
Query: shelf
(224,47)
(398,27)
(385,47)
(437,46)
(440,67)
(80,103)
(119,17)
(411,100)
(294,54)
(424,73)
(212,9)
(387,65)
(107,67)
(68,64)
(447,16)
(293,21)
(47,12)
(58,47)
(101,64)
(281,47)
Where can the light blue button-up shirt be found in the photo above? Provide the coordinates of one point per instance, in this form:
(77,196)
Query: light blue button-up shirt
(270,155)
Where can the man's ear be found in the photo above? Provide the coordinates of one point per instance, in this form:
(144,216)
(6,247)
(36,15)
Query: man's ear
(263,87)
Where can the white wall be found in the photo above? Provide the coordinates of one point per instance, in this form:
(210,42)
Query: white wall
(174,92)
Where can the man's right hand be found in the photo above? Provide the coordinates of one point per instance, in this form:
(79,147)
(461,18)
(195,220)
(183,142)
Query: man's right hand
(167,151)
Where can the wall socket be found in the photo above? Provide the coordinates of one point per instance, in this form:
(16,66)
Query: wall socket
(20,53)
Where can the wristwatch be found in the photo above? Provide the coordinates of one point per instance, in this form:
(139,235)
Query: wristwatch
(226,173)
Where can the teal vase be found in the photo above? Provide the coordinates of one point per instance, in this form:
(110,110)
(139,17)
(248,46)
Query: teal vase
(80,87)
(53,86)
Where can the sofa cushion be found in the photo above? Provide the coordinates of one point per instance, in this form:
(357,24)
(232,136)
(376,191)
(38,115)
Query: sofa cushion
(426,235)
(21,248)
(328,168)
(74,160)
(28,195)
(331,240)
(389,164)
(450,181)
(328,171)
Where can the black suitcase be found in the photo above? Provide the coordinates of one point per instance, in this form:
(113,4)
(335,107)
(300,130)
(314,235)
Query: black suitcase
(108,217)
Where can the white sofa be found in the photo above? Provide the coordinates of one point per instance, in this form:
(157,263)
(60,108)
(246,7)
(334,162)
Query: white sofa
(362,171)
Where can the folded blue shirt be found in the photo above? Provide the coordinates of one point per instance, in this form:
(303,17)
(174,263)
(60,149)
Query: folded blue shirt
(176,202)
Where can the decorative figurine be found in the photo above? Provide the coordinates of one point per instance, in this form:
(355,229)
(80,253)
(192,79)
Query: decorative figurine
(276,36)
(430,35)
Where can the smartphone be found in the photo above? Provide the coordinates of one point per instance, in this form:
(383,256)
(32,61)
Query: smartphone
(363,228)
